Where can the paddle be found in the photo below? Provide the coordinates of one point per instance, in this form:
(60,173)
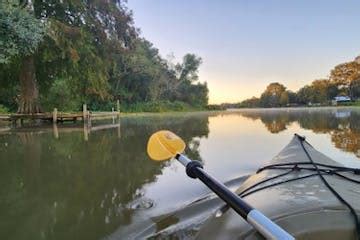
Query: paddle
(164,145)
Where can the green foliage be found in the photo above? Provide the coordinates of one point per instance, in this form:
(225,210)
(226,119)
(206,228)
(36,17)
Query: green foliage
(274,96)
(320,91)
(344,80)
(91,53)
(355,88)
(62,97)
(20,31)
(346,77)
(3,109)
(215,107)
(196,95)
(305,95)
(8,85)
(159,106)
(356,103)
(250,103)
(292,97)
(188,69)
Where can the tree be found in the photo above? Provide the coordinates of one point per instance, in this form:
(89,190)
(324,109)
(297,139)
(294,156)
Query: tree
(320,91)
(305,95)
(292,97)
(323,90)
(20,32)
(20,36)
(188,69)
(355,88)
(250,103)
(284,98)
(272,95)
(186,86)
(87,47)
(344,74)
(89,51)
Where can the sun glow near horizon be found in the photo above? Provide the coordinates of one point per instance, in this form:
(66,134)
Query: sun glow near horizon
(246,45)
(237,91)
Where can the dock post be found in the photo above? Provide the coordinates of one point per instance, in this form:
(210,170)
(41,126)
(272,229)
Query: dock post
(89,121)
(55,130)
(118,108)
(86,132)
(13,122)
(119,130)
(85,113)
(55,115)
(113,115)
(86,121)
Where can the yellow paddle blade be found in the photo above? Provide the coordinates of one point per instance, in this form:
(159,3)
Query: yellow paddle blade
(163,145)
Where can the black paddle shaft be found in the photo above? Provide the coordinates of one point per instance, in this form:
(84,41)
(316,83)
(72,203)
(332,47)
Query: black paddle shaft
(194,170)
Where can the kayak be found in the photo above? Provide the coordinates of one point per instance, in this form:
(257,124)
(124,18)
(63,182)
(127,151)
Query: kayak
(300,194)
(305,192)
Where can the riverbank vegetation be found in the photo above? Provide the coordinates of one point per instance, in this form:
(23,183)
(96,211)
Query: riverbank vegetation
(63,54)
(344,80)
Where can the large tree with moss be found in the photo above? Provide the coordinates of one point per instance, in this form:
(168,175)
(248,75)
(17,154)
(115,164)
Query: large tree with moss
(20,36)
(77,46)
(64,53)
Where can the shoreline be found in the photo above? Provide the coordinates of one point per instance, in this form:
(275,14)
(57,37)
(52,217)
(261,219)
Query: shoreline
(207,110)
(128,114)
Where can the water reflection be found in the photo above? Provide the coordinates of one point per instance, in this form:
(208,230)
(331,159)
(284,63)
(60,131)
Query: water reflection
(60,183)
(67,188)
(342,124)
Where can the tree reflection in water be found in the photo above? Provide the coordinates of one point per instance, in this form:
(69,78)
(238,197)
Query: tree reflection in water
(68,188)
(343,124)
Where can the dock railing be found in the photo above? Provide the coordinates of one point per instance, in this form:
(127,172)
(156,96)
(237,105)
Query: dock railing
(56,116)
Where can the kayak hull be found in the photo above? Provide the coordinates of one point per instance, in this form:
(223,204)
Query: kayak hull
(305,208)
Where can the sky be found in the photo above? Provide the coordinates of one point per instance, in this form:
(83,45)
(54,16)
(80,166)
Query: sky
(247,44)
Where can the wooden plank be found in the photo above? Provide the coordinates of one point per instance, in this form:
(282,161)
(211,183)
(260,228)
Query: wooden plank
(6,129)
(5,117)
(60,116)
(102,127)
(103,114)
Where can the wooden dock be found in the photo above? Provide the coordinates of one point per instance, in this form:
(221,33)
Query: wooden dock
(59,129)
(56,116)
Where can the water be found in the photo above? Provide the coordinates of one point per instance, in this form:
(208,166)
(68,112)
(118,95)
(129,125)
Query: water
(55,184)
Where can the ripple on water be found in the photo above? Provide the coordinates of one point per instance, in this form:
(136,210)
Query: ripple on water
(141,203)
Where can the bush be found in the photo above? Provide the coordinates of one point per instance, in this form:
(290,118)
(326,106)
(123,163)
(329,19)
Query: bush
(60,96)
(3,109)
(215,107)
(158,106)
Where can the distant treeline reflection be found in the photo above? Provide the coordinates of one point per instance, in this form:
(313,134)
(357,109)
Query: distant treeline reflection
(342,124)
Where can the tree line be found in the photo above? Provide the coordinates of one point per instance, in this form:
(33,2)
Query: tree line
(344,80)
(66,53)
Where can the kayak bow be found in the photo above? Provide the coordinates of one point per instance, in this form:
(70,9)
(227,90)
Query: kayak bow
(164,144)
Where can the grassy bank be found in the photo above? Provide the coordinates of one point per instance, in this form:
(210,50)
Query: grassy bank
(355,103)
(160,106)
(167,106)
(155,107)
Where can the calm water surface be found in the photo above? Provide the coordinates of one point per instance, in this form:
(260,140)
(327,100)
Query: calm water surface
(66,184)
